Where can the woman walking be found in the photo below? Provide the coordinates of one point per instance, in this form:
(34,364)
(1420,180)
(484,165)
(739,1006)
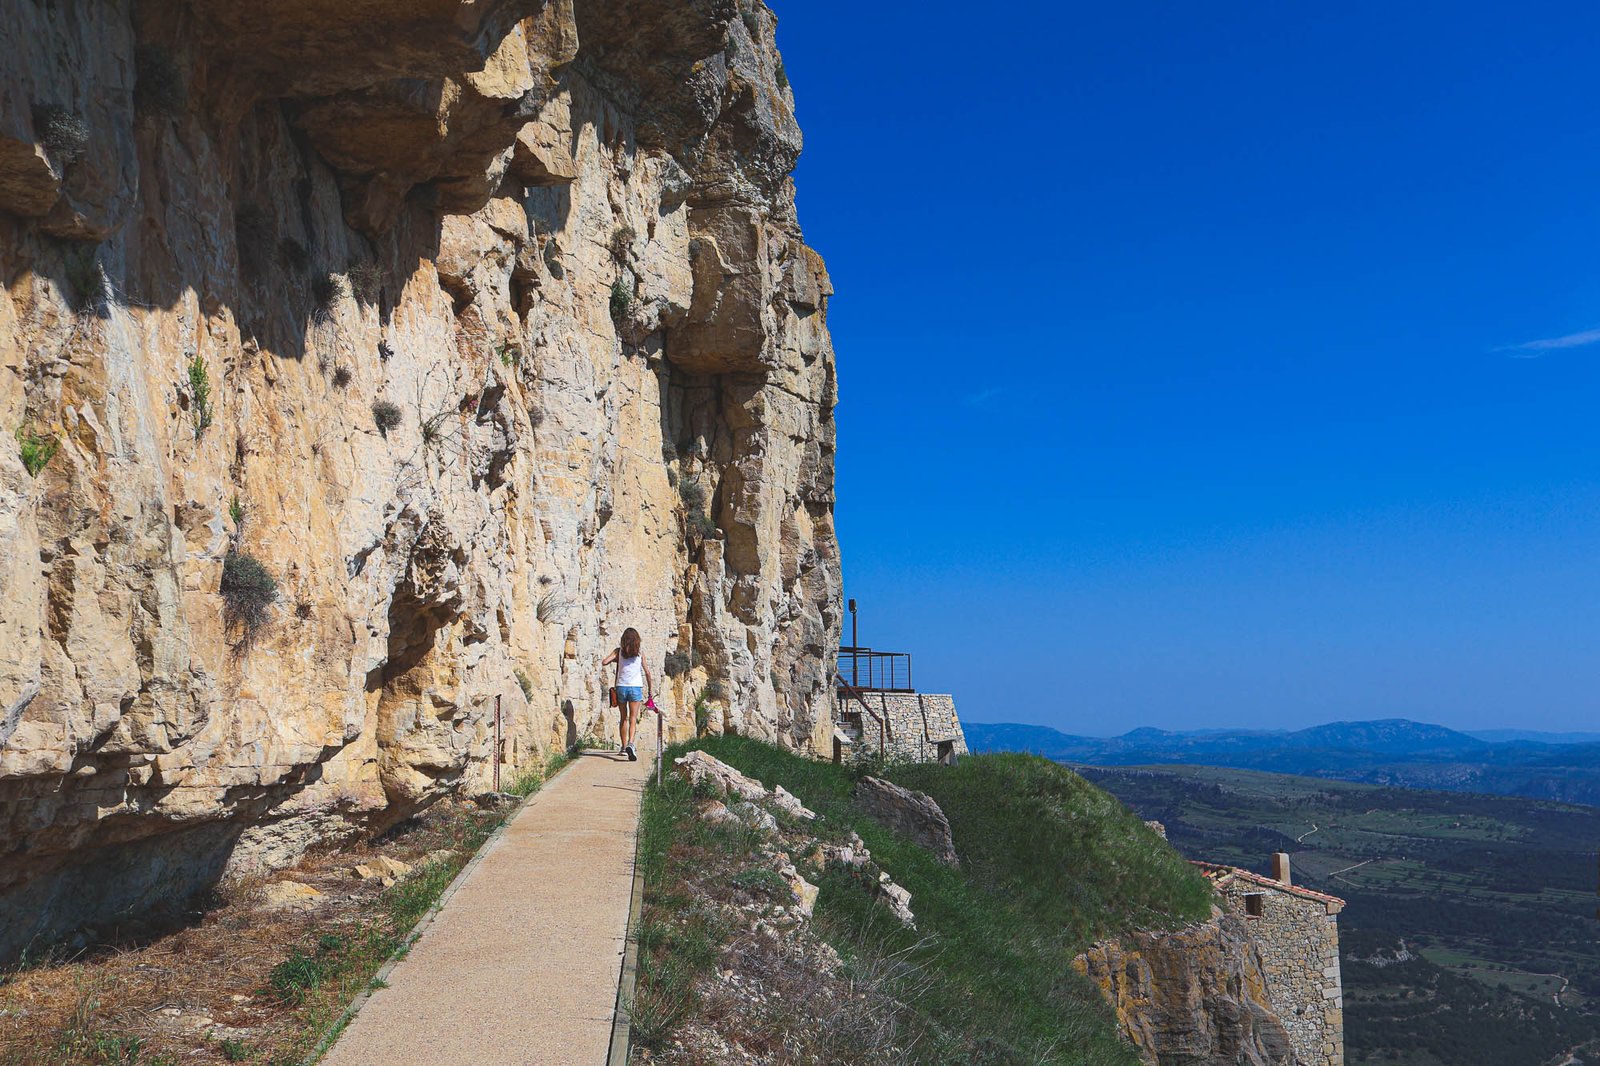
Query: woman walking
(634,686)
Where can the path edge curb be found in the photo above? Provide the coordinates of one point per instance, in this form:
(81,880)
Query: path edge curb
(336,1030)
(622,1018)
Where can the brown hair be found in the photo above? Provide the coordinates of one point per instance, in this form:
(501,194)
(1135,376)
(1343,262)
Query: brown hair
(630,642)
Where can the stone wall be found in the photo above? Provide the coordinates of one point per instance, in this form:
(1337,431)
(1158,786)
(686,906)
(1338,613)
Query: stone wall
(1297,937)
(920,727)
(559,237)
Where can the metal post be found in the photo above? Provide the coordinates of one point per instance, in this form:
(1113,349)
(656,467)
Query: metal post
(658,749)
(499,745)
(855,642)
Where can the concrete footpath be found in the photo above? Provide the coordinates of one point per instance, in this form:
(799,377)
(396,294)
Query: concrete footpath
(520,966)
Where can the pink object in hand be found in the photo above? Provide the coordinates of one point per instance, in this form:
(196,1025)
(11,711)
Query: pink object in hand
(650,704)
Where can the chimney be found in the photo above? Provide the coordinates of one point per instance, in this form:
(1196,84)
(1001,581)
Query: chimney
(1280,868)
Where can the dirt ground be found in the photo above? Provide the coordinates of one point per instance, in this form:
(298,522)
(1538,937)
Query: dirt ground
(244,980)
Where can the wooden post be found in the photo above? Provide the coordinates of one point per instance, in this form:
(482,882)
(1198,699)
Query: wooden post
(499,745)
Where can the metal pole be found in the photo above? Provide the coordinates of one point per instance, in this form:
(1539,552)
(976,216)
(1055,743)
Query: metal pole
(855,642)
(658,749)
(499,745)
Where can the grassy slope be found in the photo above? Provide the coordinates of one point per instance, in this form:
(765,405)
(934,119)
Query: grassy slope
(1049,864)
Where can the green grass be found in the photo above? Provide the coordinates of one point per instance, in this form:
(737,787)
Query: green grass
(36,451)
(671,954)
(1049,863)
(236,1051)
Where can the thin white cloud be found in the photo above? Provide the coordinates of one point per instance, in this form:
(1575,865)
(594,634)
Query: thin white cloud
(1552,344)
(983,396)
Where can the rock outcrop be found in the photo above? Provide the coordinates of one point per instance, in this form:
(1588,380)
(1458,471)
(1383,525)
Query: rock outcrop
(1194,997)
(365,369)
(914,815)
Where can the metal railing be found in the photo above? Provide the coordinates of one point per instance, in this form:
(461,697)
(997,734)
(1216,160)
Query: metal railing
(875,671)
(848,691)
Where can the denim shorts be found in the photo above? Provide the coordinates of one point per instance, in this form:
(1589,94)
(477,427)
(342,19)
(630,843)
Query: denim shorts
(630,694)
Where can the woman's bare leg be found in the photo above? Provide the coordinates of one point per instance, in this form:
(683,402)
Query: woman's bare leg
(633,721)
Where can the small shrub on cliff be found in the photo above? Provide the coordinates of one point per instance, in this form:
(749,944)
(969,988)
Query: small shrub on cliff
(64,135)
(248,593)
(622,239)
(236,511)
(160,88)
(36,451)
(551,608)
(714,690)
(199,396)
(326,292)
(341,377)
(87,280)
(621,300)
(693,495)
(783,75)
(676,664)
(385,416)
(525,685)
(366,280)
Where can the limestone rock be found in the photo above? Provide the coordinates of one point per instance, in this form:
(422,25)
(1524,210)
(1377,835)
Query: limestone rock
(289,895)
(786,802)
(1195,995)
(805,893)
(912,814)
(897,899)
(756,817)
(697,767)
(382,868)
(717,813)
(470,173)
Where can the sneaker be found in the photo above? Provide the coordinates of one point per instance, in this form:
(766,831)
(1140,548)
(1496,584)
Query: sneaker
(632,755)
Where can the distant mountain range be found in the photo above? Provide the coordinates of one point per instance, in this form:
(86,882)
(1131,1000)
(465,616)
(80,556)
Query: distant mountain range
(1393,751)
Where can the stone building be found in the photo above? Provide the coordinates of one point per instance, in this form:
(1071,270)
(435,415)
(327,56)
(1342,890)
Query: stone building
(901,726)
(1296,932)
(878,713)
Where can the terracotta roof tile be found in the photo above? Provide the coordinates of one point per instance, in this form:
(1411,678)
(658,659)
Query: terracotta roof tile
(1218,873)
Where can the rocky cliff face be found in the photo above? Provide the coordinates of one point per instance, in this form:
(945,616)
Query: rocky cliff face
(485,328)
(1196,997)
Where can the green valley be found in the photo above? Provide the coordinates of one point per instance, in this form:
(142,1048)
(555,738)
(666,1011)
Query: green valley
(1471,933)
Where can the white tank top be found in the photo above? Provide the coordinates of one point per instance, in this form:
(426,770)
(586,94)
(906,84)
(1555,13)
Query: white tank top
(630,672)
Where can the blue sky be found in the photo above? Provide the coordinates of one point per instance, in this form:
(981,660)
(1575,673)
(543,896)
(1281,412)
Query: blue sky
(1199,363)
